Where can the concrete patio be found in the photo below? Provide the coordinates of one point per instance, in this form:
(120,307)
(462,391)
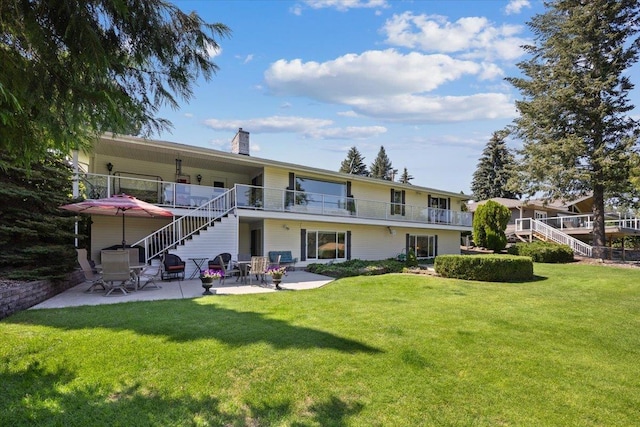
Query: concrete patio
(178,289)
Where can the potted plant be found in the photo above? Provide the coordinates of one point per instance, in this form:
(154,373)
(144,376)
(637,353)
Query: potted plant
(207,277)
(276,274)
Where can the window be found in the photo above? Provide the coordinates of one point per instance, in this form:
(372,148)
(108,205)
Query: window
(326,245)
(319,193)
(397,202)
(424,246)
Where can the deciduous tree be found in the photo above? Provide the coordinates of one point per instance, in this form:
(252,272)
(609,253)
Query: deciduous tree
(573,119)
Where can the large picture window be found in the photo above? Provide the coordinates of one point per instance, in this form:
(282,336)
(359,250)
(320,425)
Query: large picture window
(326,245)
(319,193)
(424,246)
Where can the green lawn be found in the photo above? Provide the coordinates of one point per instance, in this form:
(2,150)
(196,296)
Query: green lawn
(392,350)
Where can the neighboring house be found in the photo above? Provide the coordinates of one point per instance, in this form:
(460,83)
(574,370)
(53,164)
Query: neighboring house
(568,223)
(540,209)
(236,203)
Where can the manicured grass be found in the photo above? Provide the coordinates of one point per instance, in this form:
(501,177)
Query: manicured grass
(391,350)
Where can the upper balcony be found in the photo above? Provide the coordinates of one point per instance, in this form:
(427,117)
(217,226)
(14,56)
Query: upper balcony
(256,198)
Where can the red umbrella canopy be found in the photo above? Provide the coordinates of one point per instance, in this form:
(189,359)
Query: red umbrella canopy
(119,204)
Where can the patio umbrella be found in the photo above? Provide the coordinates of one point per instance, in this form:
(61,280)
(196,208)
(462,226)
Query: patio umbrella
(119,204)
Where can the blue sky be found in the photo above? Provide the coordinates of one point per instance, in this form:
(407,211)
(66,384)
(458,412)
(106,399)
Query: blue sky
(310,79)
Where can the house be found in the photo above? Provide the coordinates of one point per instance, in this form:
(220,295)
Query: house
(237,203)
(566,222)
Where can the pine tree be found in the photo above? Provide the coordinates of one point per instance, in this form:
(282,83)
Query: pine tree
(354,163)
(494,171)
(405,177)
(381,168)
(573,119)
(36,236)
(74,69)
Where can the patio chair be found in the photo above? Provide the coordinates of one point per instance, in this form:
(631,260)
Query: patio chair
(115,270)
(148,276)
(89,275)
(172,266)
(227,269)
(258,267)
(220,259)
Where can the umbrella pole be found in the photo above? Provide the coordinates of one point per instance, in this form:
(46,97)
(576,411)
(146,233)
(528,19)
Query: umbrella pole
(124,242)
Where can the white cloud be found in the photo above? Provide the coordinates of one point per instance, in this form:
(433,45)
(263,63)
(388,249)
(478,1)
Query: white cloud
(390,86)
(188,115)
(349,132)
(471,37)
(306,127)
(438,109)
(213,50)
(516,6)
(351,78)
(344,5)
(248,59)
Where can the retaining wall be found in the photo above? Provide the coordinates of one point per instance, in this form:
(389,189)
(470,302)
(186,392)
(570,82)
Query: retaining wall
(23,295)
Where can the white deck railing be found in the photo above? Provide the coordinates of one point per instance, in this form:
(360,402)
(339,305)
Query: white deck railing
(275,199)
(586,222)
(553,234)
(185,226)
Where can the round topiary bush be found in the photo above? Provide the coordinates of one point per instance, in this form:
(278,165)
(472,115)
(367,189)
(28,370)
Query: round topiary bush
(486,268)
(543,252)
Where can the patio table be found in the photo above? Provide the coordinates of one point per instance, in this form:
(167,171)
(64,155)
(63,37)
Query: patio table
(199,262)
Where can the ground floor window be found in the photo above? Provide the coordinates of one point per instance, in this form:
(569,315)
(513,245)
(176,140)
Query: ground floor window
(326,245)
(424,246)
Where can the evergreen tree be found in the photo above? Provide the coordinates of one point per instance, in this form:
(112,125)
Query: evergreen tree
(573,119)
(354,163)
(494,171)
(405,177)
(489,224)
(36,236)
(381,167)
(74,69)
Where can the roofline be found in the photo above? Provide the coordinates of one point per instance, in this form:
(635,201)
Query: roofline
(251,160)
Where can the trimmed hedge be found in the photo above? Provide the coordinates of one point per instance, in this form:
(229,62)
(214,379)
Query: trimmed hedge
(357,267)
(486,268)
(543,252)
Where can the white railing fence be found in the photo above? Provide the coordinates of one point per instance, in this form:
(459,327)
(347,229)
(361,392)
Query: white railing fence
(185,226)
(554,234)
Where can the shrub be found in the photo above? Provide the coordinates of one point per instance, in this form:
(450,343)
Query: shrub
(489,222)
(487,268)
(357,267)
(543,252)
(412,260)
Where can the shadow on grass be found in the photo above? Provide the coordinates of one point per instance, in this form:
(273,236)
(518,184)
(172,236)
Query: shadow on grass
(38,396)
(186,320)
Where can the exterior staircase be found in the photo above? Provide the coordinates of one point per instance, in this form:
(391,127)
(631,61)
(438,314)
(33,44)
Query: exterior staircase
(542,231)
(204,232)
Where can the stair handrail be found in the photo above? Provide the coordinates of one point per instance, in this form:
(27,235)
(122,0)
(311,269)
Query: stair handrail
(184,226)
(558,236)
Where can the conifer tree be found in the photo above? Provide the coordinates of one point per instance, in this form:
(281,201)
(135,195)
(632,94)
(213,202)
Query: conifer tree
(494,171)
(74,69)
(354,163)
(573,121)
(405,177)
(36,236)
(381,167)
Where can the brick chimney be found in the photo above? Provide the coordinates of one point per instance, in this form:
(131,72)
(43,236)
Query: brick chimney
(240,143)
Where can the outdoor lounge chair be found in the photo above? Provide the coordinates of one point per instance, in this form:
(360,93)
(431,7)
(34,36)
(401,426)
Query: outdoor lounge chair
(115,270)
(89,274)
(223,264)
(172,266)
(258,267)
